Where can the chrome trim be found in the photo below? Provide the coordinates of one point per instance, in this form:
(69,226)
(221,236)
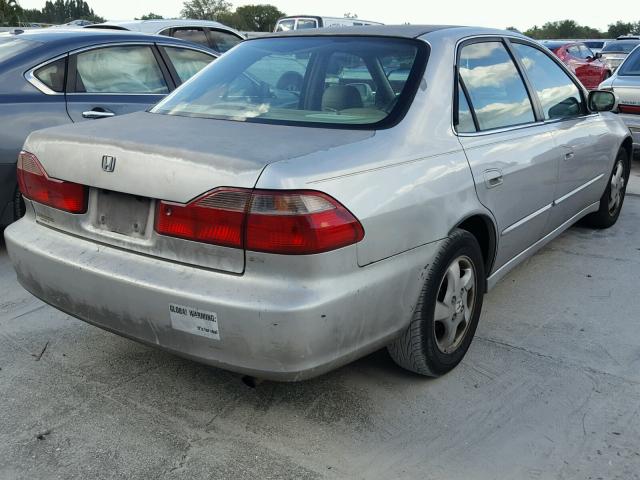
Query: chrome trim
(580,188)
(30,76)
(521,222)
(528,252)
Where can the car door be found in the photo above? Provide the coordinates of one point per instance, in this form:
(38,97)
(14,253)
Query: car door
(511,152)
(579,135)
(110,80)
(183,63)
(594,67)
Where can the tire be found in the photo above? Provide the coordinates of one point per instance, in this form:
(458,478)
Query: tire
(607,215)
(19,207)
(419,348)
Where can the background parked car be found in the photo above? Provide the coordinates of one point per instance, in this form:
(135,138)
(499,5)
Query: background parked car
(614,53)
(75,75)
(596,46)
(210,34)
(587,66)
(304,22)
(626,83)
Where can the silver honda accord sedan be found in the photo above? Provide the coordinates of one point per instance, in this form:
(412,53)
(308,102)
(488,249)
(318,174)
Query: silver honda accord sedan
(314,196)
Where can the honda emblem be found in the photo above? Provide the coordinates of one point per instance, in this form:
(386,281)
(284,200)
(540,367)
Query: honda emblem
(108,163)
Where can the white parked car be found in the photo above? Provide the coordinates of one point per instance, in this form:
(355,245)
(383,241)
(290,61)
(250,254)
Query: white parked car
(304,22)
(211,34)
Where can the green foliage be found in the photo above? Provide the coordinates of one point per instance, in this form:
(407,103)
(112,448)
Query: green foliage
(623,28)
(205,9)
(151,16)
(9,12)
(60,11)
(563,29)
(252,18)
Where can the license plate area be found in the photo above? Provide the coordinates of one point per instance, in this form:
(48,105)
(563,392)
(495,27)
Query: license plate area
(122,213)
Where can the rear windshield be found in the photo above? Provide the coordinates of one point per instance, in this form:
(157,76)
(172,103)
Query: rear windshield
(631,66)
(620,47)
(345,81)
(11,46)
(594,44)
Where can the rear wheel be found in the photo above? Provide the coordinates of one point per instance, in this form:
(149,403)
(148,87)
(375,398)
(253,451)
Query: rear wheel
(447,313)
(613,196)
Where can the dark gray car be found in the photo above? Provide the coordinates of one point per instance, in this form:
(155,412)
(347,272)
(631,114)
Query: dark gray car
(56,76)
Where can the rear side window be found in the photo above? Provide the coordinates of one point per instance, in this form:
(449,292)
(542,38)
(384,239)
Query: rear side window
(131,69)
(559,96)
(305,23)
(53,75)
(223,41)
(191,34)
(496,89)
(187,62)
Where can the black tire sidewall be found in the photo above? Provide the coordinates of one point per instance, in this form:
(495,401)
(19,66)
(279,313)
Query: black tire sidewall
(604,202)
(461,244)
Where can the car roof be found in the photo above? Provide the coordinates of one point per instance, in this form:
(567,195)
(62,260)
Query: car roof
(402,31)
(152,26)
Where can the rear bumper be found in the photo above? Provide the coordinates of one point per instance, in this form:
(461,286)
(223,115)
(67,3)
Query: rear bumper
(8,184)
(277,326)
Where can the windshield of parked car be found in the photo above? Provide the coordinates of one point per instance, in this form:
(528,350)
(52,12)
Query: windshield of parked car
(624,46)
(328,80)
(631,66)
(11,46)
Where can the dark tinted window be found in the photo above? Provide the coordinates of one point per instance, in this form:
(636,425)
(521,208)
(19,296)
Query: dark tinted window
(223,41)
(191,34)
(595,44)
(631,66)
(52,75)
(558,94)
(304,23)
(465,119)
(620,47)
(496,90)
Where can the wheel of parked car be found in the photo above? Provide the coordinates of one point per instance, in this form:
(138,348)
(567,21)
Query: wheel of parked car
(613,196)
(447,313)
(19,208)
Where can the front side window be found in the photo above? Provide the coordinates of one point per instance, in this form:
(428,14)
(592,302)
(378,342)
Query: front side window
(559,96)
(585,52)
(132,69)
(286,25)
(191,34)
(496,90)
(187,62)
(574,51)
(223,41)
(53,74)
(631,66)
(300,80)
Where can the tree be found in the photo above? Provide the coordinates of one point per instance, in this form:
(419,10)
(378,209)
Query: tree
(563,29)
(622,28)
(151,16)
(9,12)
(205,9)
(253,18)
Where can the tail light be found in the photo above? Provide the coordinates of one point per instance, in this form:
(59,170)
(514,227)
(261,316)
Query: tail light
(635,109)
(274,221)
(36,185)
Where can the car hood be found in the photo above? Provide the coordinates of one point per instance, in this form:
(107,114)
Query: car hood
(175,158)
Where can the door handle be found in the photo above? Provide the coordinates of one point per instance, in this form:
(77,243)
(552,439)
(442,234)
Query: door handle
(568,152)
(95,114)
(493,178)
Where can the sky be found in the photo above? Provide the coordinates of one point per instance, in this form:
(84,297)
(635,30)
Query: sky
(485,13)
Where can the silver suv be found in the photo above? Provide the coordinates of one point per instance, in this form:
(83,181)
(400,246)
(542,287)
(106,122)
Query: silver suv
(311,197)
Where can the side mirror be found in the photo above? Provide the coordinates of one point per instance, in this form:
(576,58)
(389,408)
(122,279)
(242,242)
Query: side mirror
(597,55)
(602,101)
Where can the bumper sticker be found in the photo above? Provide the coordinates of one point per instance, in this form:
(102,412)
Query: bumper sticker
(194,321)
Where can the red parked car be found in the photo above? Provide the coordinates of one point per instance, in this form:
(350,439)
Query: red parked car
(587,66)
